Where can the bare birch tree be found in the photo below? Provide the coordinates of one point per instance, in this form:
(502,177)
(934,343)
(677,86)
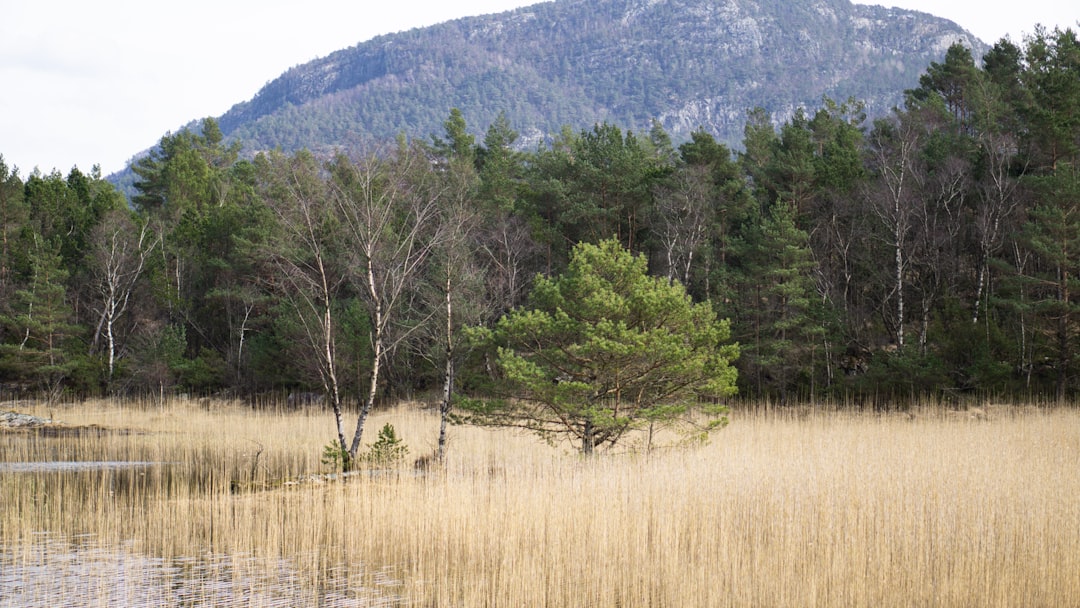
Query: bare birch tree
(389,210)
(683,210)
(998,189)
(894,148)
(120,251)
(460,280)
(306,256)
(936,251)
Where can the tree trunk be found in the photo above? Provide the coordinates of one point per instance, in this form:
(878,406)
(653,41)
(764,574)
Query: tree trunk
(1064,350)
(588,438)
(448,378)
(899,294)
(980,285)
(377,359)
(369,403)
(240,345)
(924,329)
(330,383)
(111,339)
(689,265)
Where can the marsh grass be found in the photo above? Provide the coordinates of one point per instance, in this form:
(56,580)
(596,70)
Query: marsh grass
(784,508)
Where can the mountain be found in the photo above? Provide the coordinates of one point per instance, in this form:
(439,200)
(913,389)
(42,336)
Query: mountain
(686,63)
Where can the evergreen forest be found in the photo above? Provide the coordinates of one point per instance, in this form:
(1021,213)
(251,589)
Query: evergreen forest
(934,252)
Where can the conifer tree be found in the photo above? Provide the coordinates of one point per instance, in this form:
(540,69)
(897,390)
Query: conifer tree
(789,334)
(605,350)
(40,325)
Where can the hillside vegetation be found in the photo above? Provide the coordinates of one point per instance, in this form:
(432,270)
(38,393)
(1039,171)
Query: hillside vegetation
(688,64)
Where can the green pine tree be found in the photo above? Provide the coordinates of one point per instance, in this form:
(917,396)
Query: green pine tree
(40,327)
(605,350)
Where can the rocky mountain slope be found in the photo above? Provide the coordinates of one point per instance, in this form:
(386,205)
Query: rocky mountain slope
(686,63)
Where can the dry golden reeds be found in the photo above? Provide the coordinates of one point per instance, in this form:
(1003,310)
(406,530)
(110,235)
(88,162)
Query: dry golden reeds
(826,508)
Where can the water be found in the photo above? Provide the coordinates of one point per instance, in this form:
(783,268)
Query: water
(51,570)
(72,466)
(54,573)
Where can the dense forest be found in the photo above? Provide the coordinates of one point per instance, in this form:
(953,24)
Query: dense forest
(933,252)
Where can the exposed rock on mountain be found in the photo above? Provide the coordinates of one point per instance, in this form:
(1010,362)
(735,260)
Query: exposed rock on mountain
(686,63)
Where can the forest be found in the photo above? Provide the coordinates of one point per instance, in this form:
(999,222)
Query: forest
(933,252)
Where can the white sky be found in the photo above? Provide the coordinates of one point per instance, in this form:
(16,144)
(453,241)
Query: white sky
(95,82)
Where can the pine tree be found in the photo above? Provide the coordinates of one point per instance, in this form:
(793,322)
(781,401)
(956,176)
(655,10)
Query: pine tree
(1052,235)
(604,350)
(786,331)
(39,325)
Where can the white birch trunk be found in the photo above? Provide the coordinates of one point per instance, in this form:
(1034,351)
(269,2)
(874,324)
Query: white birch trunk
(448,372)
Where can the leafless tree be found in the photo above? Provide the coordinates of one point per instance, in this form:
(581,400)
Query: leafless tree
(389,210)
(306,256)
(512,256)
(997,203)
(894,197)
(682,209)
(120,249)
(461,279)
(936,250)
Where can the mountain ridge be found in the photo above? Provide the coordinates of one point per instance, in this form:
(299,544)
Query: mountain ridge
(686,63)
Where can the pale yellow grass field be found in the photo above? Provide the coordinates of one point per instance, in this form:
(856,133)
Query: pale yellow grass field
(825,509)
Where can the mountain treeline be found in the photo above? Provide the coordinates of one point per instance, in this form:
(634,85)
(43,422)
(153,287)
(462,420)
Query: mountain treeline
(933,252)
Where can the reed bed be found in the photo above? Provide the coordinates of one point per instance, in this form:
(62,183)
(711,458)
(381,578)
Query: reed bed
(782,508)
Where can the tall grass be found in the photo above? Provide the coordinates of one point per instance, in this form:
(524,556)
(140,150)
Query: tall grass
(830,508)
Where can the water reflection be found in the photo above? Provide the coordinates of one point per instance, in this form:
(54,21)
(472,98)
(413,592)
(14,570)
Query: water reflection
(71,466)
(56,573)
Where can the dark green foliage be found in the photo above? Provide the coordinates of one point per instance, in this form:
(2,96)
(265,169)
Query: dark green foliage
(14,213)
(607,178)
(1052,81)
(1052,285)
(40,326)
(64,211)
(781,334)
(388,451)
(458,143)
(157,358)
(604,350)
(898,377)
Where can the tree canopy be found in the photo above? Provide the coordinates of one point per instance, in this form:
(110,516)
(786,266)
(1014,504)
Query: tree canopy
(605,349)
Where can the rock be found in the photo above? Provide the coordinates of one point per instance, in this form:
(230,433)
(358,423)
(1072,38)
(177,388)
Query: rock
(15,420)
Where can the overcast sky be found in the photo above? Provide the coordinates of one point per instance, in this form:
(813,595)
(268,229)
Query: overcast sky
(95,82)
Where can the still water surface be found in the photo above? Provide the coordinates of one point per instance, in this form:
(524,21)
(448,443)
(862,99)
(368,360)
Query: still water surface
(52,572)
(72,466)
